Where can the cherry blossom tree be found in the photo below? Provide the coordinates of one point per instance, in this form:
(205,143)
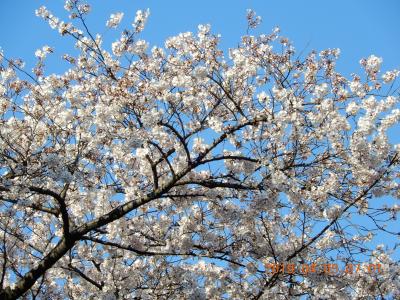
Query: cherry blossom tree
(185,171)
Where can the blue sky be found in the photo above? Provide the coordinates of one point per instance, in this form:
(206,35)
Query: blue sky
(358,27)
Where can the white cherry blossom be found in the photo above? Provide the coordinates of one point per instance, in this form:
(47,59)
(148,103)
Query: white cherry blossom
(183,171)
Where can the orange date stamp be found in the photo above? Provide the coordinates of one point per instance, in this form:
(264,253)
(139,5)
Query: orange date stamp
(325,268)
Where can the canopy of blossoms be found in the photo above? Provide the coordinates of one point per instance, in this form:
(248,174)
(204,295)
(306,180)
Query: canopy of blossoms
(185,171)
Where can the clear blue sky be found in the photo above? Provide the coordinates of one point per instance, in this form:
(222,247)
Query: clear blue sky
(358,27)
